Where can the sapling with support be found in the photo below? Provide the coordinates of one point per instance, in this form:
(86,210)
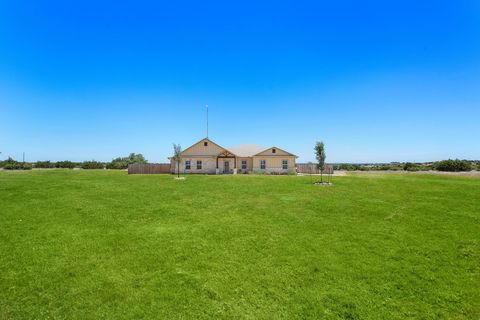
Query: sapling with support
(329,171)
(321,156)
(177,150)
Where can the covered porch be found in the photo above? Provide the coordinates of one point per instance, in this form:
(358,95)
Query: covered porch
(226,163)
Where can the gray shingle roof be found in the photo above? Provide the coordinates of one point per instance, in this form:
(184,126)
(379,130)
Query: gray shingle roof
(246,150)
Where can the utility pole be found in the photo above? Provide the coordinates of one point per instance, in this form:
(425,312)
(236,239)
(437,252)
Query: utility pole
(207,119)
(23,157)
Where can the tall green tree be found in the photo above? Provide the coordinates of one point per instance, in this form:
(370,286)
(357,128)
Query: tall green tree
(321,156)
(123,162)
(177,150)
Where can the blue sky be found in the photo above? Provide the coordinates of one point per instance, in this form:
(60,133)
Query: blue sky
(377,81)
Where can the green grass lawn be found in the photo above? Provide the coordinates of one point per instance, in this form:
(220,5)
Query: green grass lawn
(102,244)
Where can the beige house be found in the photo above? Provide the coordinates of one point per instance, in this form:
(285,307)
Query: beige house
(206,156)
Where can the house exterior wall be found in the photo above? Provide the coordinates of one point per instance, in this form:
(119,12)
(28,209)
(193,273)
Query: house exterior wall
(199,149)
(209,164)
(269,152)
(249,164)
(221,164)
(274,163)
(199,152)
(212,153)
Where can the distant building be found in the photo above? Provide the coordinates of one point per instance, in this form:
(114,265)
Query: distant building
(206,156)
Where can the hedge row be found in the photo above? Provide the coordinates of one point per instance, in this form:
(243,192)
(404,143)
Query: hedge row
(18,166)
(11,164)
(122,163)
(444,165)
(118,163)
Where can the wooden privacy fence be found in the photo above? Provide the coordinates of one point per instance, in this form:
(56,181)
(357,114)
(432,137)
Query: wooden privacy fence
(149,168)
(312,168)
(307,168)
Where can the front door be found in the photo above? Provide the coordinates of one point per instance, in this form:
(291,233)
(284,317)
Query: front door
(226,167)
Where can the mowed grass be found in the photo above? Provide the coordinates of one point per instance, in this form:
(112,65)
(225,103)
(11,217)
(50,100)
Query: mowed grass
(105,245)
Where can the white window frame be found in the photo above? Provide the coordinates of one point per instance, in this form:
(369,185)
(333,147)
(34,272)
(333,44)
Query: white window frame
(285,164)
(188,165)
(244,164)
(263,164)
(199,164)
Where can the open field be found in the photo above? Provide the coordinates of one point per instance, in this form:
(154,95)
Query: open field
(102,244)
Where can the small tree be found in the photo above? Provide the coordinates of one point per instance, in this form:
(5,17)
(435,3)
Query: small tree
(92,165)
(408,166)
(177,150)
(453,165)
(320,155)
(65,164)
(123,162)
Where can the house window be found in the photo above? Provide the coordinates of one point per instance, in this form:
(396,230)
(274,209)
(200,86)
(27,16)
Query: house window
(284,164)
(244,164)
(262,164)
(274,150)
(199,164)
(187,165)
(205,143)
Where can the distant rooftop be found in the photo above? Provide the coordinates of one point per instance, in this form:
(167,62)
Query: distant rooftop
(246,150)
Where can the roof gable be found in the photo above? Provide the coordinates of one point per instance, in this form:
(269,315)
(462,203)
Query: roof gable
(226,153)
(207,147)
(274,151)
(200,149)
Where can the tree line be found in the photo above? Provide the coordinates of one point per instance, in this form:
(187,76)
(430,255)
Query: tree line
(450,165)
(117,163)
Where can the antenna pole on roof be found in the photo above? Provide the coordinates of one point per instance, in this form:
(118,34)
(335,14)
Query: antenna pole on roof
(207,119)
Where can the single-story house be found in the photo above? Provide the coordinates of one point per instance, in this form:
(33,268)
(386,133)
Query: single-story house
(206,156)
